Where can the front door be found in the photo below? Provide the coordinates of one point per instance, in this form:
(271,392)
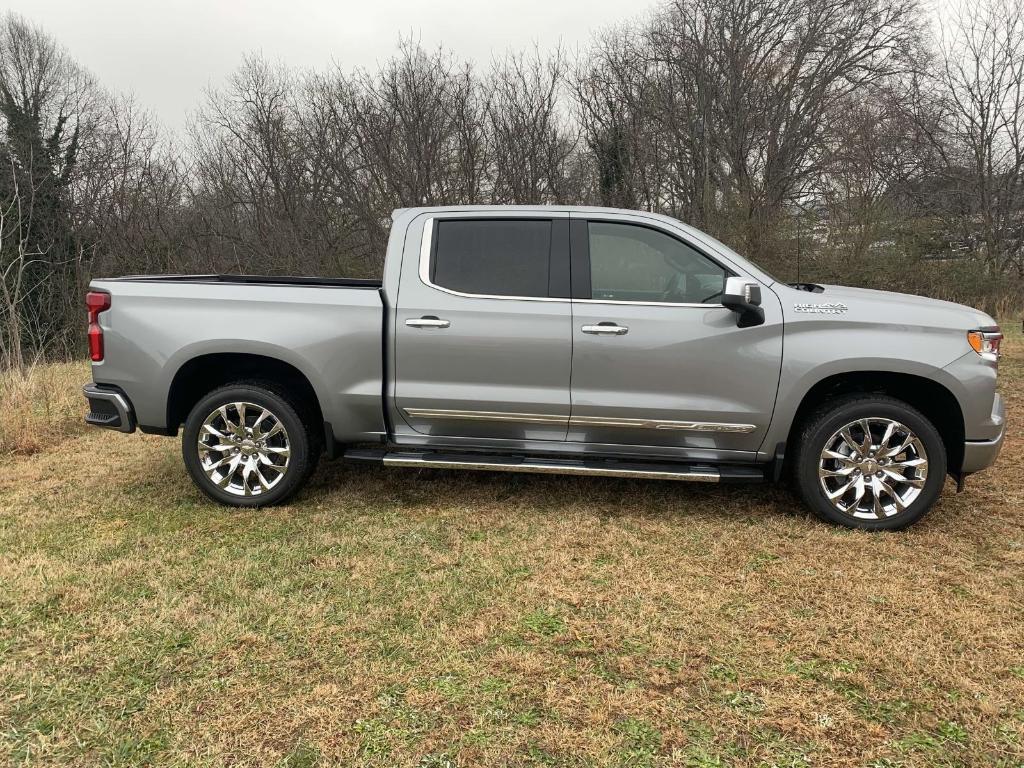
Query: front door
(483,329)
(657,361)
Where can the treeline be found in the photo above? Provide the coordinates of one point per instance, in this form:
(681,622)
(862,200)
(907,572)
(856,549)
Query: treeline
(845,141)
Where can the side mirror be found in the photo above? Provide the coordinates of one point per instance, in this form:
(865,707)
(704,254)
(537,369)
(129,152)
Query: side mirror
(743,297)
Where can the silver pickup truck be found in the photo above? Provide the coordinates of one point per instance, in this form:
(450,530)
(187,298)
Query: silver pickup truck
(566,340)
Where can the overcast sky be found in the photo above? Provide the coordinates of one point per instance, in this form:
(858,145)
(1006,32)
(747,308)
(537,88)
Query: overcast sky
(166,53)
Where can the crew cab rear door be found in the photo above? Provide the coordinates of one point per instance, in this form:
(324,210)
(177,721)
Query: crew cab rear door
(483,331)
(657,360)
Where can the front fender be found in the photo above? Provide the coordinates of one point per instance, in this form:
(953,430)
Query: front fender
(817,349)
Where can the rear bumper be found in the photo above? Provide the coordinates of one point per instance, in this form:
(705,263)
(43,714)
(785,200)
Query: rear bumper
(980,454)
(109,408)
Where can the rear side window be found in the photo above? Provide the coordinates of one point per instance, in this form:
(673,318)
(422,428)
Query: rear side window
(494,257)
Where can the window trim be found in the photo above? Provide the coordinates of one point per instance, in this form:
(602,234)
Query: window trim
(577,259)
(428,251)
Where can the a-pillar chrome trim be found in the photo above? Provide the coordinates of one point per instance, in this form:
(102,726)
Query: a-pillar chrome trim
(579,421)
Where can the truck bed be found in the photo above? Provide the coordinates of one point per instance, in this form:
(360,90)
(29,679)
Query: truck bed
(156,325)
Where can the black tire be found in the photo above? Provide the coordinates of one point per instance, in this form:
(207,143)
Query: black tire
(300,438)
(818,429)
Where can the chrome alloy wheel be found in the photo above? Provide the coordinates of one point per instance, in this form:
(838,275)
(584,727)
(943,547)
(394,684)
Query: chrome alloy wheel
(244,449)
(873,468)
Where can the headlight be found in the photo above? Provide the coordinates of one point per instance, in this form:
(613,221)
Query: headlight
(986,342)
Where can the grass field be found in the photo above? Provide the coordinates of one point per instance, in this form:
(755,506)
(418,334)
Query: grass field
(390,617)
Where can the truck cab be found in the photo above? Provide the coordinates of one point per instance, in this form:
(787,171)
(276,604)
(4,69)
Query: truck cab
(595,331)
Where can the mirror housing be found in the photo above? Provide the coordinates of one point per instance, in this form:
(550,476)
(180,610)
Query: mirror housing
(743,296)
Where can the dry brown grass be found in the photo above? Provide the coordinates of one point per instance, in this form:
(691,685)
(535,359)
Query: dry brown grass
(40,406)
(398,618)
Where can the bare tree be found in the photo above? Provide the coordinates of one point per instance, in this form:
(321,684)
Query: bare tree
(15,266)
(48,115)
(248,173)
(531,144)
(412,134)
(979,133)
(738,100)
(614,95)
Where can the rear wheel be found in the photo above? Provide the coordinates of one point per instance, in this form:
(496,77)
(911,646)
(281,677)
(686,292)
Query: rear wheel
(870,462)
(245,445)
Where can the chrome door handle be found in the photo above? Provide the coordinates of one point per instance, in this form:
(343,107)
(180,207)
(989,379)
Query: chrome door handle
(606,329)
(428,321)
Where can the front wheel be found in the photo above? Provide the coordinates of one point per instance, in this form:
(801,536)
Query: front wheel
(869,461)
(245,445)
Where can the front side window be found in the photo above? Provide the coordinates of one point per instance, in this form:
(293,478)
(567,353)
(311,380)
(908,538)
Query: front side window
(492,257)
(635,263)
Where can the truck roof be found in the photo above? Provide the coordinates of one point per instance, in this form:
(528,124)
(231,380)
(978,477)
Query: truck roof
(546,208)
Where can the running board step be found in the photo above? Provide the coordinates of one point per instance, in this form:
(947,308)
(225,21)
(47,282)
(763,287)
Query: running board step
(701,473)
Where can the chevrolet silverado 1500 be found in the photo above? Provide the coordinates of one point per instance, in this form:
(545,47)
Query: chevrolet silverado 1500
(554,339)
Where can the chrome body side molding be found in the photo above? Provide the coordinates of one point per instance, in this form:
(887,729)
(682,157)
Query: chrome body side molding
(529,418)
(690,426)
(579,421)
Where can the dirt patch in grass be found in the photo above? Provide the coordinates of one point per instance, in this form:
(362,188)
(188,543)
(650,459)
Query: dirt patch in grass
(391,617)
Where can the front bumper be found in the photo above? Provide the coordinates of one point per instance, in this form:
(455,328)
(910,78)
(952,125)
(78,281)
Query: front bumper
(980,454)
(109,407)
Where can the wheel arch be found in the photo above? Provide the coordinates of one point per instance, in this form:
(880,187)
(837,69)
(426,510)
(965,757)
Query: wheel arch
(204,373)
(938,404)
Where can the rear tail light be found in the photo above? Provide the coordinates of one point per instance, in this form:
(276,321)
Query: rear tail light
(986,342)
(96,302)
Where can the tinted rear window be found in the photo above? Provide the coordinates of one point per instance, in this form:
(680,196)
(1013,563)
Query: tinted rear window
(495,257)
